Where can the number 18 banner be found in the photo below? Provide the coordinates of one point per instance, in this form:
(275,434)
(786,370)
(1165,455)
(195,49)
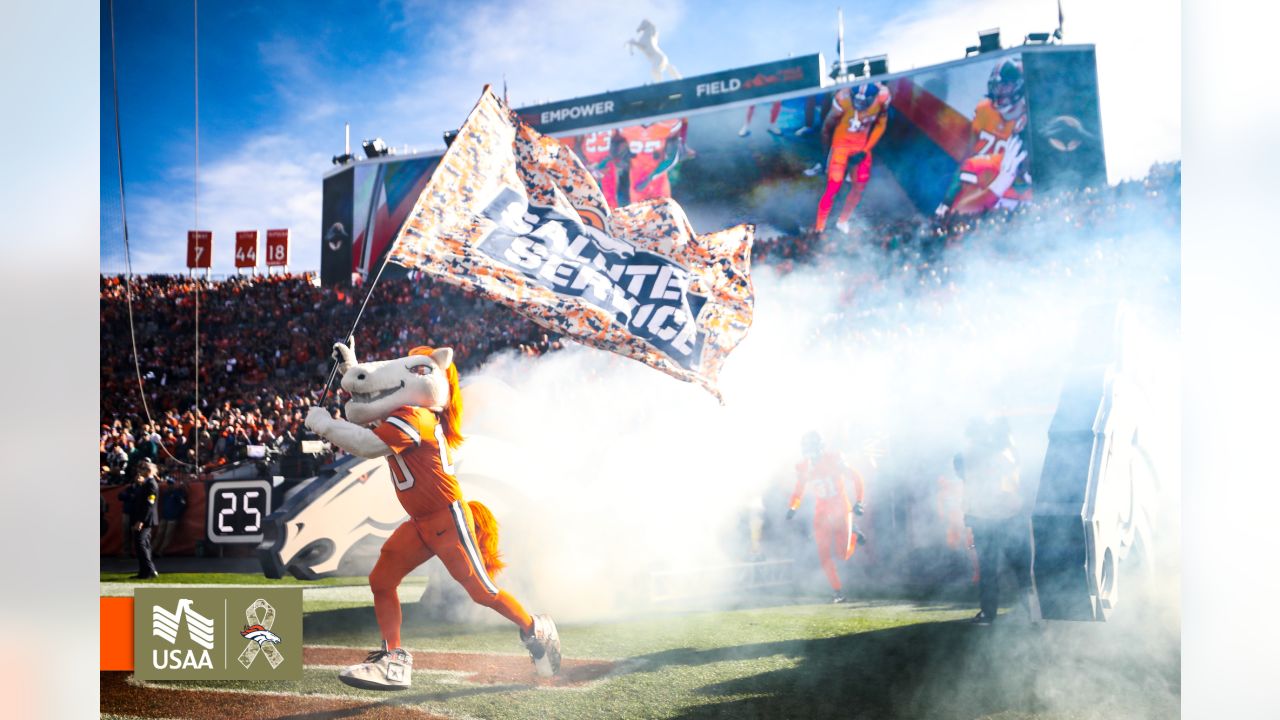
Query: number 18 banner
(515,216)
(278,247)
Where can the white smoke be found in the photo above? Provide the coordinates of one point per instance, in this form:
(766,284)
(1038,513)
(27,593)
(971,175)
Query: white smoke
(609,470)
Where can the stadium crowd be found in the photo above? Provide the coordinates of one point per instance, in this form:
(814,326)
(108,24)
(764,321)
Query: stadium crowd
(264,341)
(260,364)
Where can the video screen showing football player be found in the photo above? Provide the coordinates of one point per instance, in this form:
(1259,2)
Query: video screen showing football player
(602,152)
(854,124)
(774,109)
(995,174)
(793,116)
(654,151)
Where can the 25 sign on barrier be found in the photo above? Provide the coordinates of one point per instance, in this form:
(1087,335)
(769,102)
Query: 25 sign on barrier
(199,249)
(237,509)
(247,249)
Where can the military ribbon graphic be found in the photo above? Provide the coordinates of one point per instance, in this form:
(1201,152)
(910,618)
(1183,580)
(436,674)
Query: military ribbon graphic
(258,631)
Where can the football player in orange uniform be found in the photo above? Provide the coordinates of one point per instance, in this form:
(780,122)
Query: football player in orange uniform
(993,174)
(854,124)
(599,153)
(833,527)
(655,149)
(409,410)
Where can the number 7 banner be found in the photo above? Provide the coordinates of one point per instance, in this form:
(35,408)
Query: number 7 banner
(199,249)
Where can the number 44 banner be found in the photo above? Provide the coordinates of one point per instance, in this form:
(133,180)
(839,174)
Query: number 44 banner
(247,249)
(516,217)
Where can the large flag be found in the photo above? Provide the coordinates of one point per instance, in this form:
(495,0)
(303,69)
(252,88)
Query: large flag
(515,216)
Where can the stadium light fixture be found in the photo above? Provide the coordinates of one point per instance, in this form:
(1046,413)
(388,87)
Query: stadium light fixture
(988,40)
(1038,38)
(375,148)
(343,159)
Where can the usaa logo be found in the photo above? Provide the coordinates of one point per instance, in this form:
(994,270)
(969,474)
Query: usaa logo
(217,633)
(169,626)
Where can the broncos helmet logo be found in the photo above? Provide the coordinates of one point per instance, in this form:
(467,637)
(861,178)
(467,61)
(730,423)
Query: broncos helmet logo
(260,635)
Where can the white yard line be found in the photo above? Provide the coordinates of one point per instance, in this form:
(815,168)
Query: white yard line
(309,592)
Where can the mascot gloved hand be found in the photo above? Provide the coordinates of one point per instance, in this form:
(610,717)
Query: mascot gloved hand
(318,419)
(409,410)
(344,354)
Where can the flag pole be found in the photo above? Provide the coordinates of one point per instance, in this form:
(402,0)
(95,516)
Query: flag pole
(840,41)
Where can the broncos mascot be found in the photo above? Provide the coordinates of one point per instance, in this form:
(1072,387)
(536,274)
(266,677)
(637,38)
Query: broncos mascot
(409,410)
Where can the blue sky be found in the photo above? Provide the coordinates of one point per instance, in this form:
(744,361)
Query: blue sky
(278,79)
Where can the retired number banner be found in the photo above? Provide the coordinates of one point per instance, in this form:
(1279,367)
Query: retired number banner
(278,247)
(199,249)
(246,248)
(514,215)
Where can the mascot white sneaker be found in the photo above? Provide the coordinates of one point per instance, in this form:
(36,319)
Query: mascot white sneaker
(409,410)
(383,670)
(543,644)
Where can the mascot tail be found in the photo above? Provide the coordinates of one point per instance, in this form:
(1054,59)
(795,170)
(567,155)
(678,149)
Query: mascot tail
(487,537)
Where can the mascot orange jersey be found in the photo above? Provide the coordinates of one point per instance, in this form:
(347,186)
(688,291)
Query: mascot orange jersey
(419,461)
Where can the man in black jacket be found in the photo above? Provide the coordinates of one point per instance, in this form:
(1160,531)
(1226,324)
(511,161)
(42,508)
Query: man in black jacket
(995,511)
(143,516)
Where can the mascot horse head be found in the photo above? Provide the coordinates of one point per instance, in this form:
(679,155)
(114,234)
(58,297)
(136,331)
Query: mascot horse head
(426,377)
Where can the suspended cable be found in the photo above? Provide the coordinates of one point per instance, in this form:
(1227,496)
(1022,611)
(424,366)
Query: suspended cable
(351,335)
(124,223)
(196,208)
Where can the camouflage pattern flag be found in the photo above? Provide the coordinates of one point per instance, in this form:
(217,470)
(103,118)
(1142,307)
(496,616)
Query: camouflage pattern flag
(515,216)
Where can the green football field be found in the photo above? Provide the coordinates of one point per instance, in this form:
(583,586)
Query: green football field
(781,657)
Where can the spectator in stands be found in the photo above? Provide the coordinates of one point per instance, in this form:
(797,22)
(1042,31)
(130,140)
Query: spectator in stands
(117,458)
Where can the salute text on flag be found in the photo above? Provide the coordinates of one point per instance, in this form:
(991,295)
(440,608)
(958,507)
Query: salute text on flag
(515,216)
